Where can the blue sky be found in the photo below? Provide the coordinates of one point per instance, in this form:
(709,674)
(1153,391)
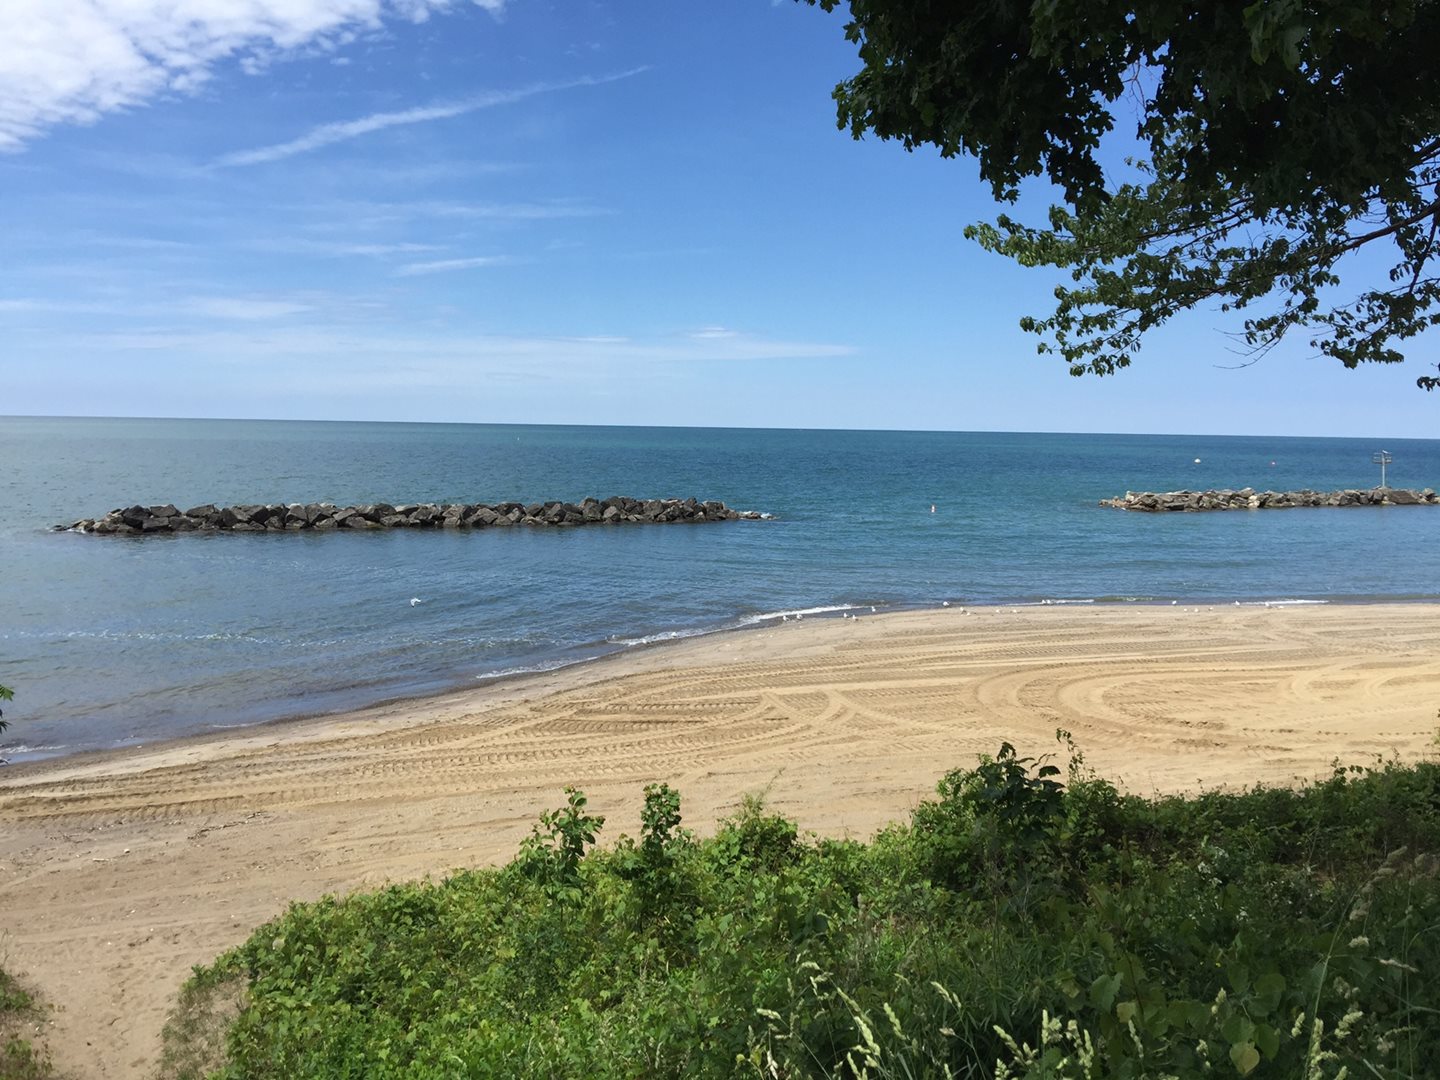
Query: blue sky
(533,212)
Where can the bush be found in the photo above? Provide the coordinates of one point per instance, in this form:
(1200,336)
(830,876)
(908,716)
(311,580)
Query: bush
(1018,926)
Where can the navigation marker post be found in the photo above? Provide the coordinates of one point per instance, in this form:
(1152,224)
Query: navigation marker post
(1382,458)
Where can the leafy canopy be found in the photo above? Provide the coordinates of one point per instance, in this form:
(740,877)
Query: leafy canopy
(1280,136)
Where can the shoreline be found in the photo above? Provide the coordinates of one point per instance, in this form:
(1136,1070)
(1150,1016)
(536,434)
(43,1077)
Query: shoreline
(121,870)
(26,761)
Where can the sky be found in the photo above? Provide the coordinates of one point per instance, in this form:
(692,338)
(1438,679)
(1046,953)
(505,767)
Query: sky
(521,211)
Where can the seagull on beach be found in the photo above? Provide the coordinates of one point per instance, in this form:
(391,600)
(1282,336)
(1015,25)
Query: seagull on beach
(944,603)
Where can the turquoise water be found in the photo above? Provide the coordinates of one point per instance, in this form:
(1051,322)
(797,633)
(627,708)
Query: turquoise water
(117,641)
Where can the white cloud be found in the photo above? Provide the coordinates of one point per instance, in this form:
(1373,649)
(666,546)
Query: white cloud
(72,61)
(339,249)
(236,307)
(329,134)
(441,266)
(458,357)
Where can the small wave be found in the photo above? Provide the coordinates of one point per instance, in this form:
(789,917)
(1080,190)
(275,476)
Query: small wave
(1277,603)
(664,635)
(23,748)
(1050,602)
(790,613)
(535,669)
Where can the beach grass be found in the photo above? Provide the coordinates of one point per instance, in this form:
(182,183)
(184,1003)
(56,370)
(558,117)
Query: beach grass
(21,1057)
(1029,921)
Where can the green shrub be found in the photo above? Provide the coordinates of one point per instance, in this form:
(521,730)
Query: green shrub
(1020,925)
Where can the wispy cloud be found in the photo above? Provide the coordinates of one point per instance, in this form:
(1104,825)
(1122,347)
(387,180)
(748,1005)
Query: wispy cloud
(348,213)
(339,249)
(441,266)
(343,346)
(224,308)
(342,131)
(73,61)
(245,308)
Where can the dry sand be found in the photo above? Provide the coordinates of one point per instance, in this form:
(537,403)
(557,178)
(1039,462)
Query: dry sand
(120,871)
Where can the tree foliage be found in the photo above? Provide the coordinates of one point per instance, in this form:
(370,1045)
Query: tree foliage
(1279,137)
(6,694)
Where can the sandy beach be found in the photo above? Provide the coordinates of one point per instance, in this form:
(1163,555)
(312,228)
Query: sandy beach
(118,872)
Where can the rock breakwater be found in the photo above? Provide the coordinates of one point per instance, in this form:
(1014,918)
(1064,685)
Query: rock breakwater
(1250,499)
(293,517)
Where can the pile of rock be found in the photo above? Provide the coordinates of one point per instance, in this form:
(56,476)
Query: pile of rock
(1250,499)
(279,517)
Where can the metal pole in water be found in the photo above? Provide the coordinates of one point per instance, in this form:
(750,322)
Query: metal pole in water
(1382,458)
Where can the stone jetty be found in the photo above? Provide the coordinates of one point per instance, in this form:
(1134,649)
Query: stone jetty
(294,517)
(1250,499)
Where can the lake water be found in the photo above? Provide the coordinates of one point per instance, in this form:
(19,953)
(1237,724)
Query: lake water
(112,641)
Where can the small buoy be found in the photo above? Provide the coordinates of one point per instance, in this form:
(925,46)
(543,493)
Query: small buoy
(415,601)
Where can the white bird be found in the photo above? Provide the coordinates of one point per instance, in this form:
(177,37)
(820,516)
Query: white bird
(784,618)
(944,603)
(872,609)
(1174,602)
(415,601)
(798,616)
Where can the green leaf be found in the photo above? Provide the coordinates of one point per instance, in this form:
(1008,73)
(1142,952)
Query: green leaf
(1238,1029)
(1245,1057)
(1266,997)
(1239,976)
(1267,1039)
(1103,991)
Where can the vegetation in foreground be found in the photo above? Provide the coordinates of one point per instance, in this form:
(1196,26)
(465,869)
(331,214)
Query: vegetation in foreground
(20,1058)
(1021,925)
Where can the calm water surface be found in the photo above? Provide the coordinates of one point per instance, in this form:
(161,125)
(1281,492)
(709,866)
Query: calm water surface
(114,641)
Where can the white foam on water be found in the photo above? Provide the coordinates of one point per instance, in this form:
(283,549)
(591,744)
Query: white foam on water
(790,613)
(535,669)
